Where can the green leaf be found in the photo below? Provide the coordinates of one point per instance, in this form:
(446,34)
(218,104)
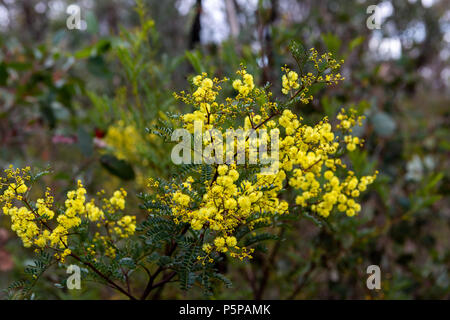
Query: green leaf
(117,167)
(194,58)
(127,262)
(384,124)
(332,42)
(258,238)
(48,113)
(98,67)
(3,74)
(224,279)
(85,142)
(356,42)
(298,52)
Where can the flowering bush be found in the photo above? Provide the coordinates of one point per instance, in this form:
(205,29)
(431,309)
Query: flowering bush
(209,208)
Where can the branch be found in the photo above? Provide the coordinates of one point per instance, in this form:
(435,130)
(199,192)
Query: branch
(267,265)
(116,286)
(150,286)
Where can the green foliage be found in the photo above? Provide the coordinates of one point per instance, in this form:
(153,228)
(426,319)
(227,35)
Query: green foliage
(117,167)
(78,85)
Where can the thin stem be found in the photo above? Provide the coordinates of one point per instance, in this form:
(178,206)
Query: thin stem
(112,283)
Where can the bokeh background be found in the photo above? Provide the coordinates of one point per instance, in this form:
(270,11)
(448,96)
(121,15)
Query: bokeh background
(80,100)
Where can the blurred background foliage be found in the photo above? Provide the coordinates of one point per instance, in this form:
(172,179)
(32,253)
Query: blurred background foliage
(91,104)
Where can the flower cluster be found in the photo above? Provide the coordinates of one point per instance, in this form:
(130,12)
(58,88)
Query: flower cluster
(244,86)
(213,113)
(39,224)
(117,142)
(118,138)
(312,175)
(204,98)
(309,152)
(325,71)
(227,204)
(289,80)
(328,65)
(347,120)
